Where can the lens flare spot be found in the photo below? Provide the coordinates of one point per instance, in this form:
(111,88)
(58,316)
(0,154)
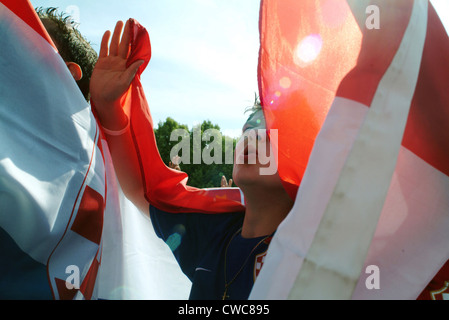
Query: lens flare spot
(174,240)
(285,82)
(308,49)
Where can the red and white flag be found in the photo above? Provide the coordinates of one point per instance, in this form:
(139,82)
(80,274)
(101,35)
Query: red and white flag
(370,96)
(63,234)
(52,167)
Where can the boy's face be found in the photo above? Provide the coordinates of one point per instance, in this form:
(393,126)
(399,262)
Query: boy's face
(247,144)
(255,161)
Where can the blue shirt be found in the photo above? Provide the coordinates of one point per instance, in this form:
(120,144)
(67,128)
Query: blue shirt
(208,245)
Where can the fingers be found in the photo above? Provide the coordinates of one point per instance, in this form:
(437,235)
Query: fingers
(104,51)
(117,46)
(114,46)
(224,183)
(123,49)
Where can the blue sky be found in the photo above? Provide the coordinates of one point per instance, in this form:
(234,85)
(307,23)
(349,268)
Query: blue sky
(204,53)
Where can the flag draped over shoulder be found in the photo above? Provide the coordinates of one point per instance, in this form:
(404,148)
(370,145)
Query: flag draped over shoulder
(374,188)
(52,168)
(63,234)
(164,187)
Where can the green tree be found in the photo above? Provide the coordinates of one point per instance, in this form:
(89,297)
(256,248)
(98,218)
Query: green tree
(163,133)
(201,175)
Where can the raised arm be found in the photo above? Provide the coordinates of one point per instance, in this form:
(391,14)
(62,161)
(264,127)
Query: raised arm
(118,94)
(110,81)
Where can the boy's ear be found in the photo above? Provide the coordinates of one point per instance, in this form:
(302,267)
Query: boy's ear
(75,70)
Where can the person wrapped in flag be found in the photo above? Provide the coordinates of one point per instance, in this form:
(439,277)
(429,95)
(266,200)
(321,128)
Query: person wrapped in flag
(57,182)
(222,252)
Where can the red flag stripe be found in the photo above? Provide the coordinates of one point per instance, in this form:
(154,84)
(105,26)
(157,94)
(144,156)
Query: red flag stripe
(378,50)
(426,133)
(301,63)
(438,286)
(89,218)
(24,10)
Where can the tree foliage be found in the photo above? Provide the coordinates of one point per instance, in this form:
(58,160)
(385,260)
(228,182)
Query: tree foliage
(201,175)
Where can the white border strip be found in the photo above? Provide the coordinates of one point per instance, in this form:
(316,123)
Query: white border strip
(333,264)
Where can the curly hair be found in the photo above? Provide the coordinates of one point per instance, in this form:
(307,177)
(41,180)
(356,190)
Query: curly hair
(72,46)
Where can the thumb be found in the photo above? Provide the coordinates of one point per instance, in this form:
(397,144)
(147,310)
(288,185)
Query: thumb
(130,73)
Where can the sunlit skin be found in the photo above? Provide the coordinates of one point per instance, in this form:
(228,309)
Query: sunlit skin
(266,201)
(246,172)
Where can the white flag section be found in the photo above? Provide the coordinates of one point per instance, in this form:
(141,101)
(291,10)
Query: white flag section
(65,231)
(371,217)
(149,270)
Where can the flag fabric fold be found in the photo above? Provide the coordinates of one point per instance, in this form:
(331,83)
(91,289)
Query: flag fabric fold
(323,46)
(374,192)
(53,177)
(165,188)
(66,231)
